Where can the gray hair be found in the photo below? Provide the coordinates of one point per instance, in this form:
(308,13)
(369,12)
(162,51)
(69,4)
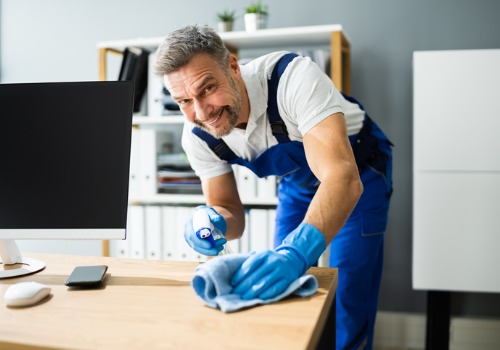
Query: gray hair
(178,47)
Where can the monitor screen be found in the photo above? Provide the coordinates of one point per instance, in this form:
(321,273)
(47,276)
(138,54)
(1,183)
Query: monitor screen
(65,155)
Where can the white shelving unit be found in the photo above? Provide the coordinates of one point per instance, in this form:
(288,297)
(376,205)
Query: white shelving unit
(275,38)
(271,39)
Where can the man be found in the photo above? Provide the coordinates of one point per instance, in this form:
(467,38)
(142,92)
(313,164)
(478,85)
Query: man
(281,115)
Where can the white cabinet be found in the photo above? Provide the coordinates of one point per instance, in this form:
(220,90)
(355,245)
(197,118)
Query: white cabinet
(456,183)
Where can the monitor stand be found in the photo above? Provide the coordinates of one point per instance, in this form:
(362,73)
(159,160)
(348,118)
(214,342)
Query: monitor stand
(12,264)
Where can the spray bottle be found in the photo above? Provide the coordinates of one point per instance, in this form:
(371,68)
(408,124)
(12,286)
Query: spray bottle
(204,229)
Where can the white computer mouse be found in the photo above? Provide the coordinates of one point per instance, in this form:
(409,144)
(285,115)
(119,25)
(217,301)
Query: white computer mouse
(25,293)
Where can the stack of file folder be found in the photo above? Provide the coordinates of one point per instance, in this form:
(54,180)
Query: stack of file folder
(175,175)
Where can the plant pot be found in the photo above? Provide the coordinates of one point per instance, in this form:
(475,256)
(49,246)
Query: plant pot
(225,26)
(255,21)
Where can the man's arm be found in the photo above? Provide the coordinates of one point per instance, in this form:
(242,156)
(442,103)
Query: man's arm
(221,193)
(268,273)
(330,157)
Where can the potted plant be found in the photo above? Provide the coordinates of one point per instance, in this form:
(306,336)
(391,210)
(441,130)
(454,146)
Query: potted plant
(256,16)
(225,20)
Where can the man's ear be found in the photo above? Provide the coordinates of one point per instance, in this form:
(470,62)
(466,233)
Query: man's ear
(234,67)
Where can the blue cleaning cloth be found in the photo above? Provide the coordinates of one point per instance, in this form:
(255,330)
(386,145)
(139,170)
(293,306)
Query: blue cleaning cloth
(212,282)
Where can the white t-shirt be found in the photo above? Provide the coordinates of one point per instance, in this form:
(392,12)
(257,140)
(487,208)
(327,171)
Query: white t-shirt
(306,96)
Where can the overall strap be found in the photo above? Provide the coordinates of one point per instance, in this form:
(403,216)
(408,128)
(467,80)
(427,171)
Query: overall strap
(218,146)
(278,127)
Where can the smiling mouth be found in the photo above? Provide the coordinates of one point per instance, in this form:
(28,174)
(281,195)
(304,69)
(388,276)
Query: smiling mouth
(216,119)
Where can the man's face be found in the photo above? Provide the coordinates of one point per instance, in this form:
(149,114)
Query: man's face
(207,94)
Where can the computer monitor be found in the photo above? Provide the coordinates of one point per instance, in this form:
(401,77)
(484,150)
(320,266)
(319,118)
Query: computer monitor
(64,164)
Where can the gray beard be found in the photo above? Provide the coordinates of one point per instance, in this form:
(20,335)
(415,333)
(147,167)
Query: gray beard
(233,112)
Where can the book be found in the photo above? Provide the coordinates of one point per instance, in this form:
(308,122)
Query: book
(175,175)
(134,68)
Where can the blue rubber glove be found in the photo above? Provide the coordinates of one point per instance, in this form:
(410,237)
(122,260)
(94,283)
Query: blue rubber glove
(204,246)
(267,274)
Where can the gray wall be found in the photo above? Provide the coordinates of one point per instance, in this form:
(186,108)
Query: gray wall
(54,40)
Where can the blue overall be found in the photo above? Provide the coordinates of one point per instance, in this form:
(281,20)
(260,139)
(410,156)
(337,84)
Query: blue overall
(357,249)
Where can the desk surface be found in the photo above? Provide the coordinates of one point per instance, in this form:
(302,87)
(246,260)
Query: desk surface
(148,304)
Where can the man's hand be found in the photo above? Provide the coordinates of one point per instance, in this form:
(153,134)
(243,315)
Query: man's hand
(203,246)
(267,274)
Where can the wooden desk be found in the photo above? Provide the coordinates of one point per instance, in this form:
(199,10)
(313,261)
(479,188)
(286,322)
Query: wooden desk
(147,304)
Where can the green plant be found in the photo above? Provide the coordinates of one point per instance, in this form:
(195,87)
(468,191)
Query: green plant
(226,16)
(257,7)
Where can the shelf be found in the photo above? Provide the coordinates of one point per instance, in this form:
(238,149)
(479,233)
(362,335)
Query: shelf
(272,38)
(193,199)
(265,38)
(170,119)
(169,199)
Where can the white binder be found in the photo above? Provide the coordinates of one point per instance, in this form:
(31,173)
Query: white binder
(245,240)
(155,87)
(134,175)
(266,187)
(136,232)
(247,184)
(169,233)
(258,229)
(183,214)
(152,214)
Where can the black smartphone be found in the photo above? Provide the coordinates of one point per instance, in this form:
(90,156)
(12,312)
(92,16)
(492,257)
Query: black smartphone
(87,276)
